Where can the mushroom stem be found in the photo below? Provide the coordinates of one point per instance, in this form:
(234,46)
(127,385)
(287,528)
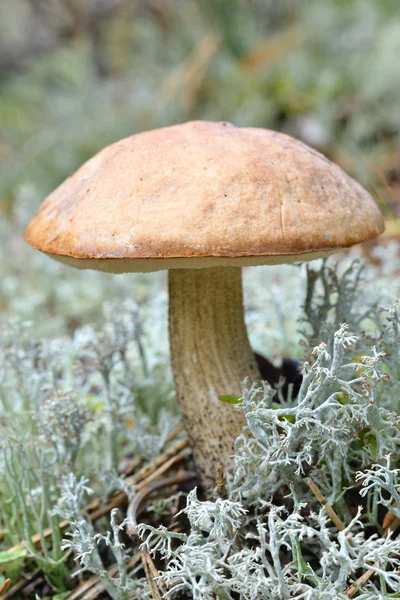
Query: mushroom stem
(211,356)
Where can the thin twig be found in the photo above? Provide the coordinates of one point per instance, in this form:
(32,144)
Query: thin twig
(176,431)
(189,75)
(350,591)
(273,48)
(390,524)
(148,470)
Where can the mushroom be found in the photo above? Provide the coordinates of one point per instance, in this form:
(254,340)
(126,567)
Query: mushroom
(203,200)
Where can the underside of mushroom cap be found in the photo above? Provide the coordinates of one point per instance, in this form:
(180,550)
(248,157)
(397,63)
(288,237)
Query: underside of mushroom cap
(200,191)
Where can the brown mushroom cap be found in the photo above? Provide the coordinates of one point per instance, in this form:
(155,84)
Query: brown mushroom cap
(203,194)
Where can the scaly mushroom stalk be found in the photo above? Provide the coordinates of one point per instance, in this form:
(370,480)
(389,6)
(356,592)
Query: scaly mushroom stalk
(211,356)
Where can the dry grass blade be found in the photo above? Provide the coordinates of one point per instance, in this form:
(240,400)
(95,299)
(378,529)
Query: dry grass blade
(188,76)
(390,518)
(151,574)
(137,501)
(36,539)
(79,592)
(120,498)
(273,48)
(324,502)
(5,586)
(355,587)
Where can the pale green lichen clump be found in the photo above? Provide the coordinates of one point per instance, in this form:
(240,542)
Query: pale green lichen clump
(268,538)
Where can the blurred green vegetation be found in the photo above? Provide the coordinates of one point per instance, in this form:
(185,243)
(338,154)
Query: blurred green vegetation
(76,75)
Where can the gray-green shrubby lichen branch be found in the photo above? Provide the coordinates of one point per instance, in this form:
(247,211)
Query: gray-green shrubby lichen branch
(337,400)
(332,298)
(85,541)
(385,481)
(219,563)
(54,421)
(269,539)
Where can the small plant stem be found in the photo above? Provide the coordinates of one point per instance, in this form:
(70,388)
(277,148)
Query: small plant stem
(142,352)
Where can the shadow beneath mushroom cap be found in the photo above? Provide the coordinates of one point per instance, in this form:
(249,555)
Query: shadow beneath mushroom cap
(290,371)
